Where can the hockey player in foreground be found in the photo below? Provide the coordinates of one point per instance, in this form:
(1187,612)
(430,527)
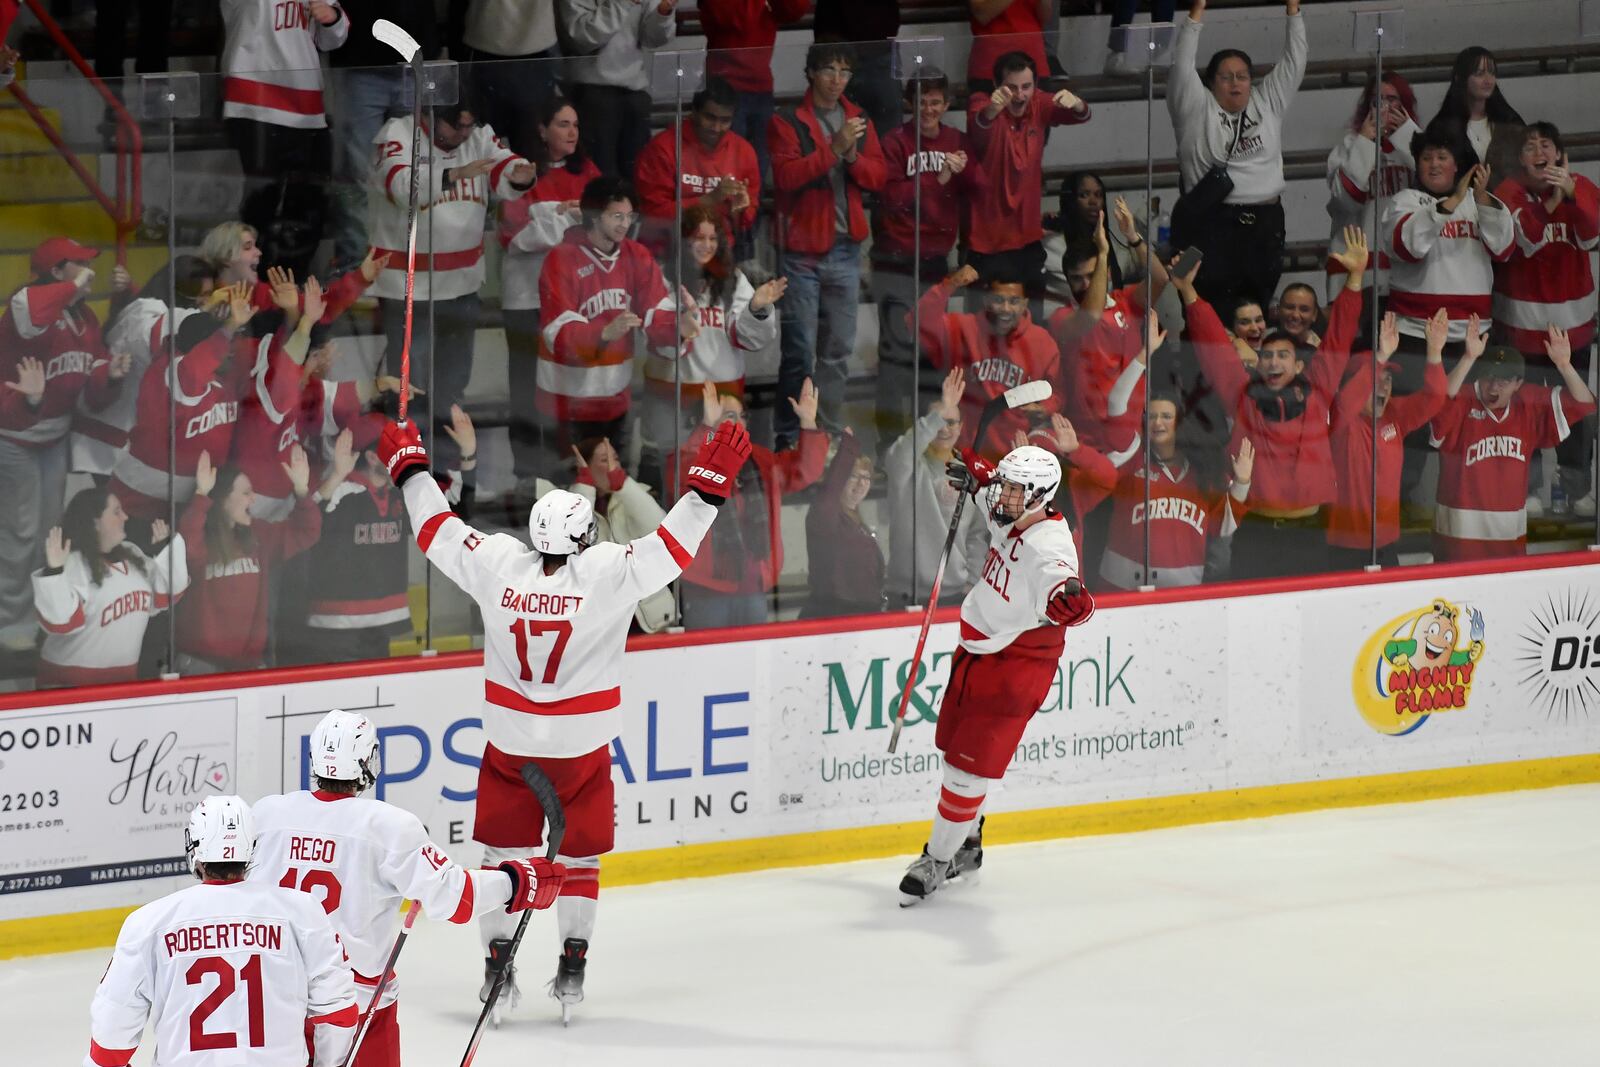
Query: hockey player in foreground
(1013,624)
(361,858)
(555,623)
(233,972)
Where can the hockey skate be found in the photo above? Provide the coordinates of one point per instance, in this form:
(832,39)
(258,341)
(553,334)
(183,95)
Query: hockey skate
(969,857)
(510,995)
(566,988)
(922,878)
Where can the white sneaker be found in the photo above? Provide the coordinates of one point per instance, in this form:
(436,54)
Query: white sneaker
(1118,65)
(1583,507)
(1535,506)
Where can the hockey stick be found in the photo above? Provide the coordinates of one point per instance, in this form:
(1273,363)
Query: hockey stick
(402,42)
(383,981)
(1015,397)
(556,816)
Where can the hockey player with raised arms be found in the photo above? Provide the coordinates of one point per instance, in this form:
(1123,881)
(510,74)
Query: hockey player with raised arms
(555,623)
(362,858)
(226,972)
(1013,631)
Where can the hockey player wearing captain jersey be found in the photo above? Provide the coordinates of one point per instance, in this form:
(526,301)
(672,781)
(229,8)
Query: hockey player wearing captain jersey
(361,859)
(1013,631)
(226,972)
(556,622)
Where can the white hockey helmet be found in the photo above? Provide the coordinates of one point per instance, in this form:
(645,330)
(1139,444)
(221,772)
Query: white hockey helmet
(220,830)
(562,523)
(1031,468)
(344,748)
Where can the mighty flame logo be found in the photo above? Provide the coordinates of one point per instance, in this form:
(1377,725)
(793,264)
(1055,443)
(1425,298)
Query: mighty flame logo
(1417,664)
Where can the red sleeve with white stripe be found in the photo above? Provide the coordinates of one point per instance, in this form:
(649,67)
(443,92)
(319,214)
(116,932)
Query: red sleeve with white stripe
(569,335)
(418,869)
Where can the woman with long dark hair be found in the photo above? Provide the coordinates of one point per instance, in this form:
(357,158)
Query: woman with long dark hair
(97,592)
(530,226)
(1083,208)
(1476,111)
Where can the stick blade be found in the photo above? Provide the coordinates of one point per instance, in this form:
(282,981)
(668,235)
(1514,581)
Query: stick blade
(1028,393)
(395,37)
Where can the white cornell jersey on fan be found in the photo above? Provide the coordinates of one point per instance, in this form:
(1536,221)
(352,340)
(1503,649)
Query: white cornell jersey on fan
(1020,573)
(232,973)
(360,859)
(553,643)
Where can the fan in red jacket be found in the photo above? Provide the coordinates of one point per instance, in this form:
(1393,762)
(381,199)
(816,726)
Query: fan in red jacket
(717,168)
(739,39)
(1000,348)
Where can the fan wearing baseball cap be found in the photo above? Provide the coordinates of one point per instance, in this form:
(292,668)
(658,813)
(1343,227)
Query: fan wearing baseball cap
(51,351)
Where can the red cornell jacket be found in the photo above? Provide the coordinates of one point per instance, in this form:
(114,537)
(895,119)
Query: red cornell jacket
(993,365)
(739,38)
(700,171)
(896,217)
(41,322)
(1294,460)
(1350,521)
(1548,280)
(1010,151)
(800,166)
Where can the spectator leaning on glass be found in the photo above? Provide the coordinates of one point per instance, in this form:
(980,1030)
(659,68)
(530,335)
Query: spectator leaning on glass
(1358,408)
(530,226)
(737,568)
(463,165)
(1474,110)
(50,353)
(608,45)
(844,560)
(1350,166)
(1002,26)
(825,155)
(718,169)
(924,151)
(739,39)
(98,591)
(222,621)
(1548,280)
(1007,129)
(1222,121)
(922,502)
(273,110)
(1486,437)
(1283,408)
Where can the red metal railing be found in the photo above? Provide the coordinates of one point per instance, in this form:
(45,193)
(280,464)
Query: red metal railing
(125,204)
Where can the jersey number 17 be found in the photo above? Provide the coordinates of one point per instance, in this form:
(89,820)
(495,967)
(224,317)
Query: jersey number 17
(523,629)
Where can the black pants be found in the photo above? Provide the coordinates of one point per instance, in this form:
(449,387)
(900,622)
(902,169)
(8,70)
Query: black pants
(286,183)
(1025,263)
(455,323)
(1354,559)
(615,124)
(522,355)
(1279,548)
(904,391)
(111,38)
(1243,247)
(511,90)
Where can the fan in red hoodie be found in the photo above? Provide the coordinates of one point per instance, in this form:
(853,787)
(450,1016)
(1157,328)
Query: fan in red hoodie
(718,168)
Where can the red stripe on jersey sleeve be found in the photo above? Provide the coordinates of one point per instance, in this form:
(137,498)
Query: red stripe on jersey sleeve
(430,529)
(970,632)
(680,555)
(463,912)
(109,1057)
(65,627)
(345,1016)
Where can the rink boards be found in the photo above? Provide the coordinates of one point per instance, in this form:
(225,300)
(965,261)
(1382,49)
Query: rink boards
(738,754)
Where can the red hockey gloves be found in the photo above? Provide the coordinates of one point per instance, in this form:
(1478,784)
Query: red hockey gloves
(535,882)
(969,473)
(718,461)
(1070,605)
(400,449)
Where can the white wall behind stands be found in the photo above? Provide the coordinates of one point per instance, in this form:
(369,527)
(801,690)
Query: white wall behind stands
(773,751)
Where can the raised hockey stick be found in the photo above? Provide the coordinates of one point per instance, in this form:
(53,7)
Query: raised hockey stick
(383,981)
(554,814)
(402,42)
(1015,397)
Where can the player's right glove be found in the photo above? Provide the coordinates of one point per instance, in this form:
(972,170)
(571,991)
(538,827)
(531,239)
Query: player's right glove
(400,449)
(969,473)
(535,882)
(1070,605)
(718,461)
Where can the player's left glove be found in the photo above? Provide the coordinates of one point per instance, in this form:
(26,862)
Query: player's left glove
(1070,605)
(400,449)
(535,882)
(718,461)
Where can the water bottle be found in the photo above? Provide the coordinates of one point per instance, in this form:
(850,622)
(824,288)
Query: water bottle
(1163,223)
(1558,497)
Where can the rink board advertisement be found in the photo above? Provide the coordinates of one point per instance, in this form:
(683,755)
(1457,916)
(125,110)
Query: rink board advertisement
(744,740)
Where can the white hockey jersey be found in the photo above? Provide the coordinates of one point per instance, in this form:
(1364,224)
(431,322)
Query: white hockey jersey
(1350,199)
(232,973)
(1444,261)
(1020,573)
(271,71)
(92,633)
(450,220)
(727,332)
(553,644)
(360,859)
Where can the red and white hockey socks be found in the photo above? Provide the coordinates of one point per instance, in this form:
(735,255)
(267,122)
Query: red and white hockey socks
(960,799)
(580,894)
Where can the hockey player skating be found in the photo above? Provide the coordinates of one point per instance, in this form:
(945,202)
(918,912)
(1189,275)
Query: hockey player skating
(555,622)
(361,858)
(1012,635)
(227,972)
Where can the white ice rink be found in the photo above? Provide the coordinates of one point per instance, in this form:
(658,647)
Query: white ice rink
(1450,932)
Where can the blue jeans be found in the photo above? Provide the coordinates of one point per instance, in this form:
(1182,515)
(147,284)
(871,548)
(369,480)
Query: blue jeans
(818,334)
(362,101)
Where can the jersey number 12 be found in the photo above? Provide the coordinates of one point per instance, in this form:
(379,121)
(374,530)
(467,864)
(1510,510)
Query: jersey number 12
(523,629)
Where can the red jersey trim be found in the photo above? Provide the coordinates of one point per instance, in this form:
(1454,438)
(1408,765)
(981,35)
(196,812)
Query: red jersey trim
(463,912)
(65,627)
(465,257)
(110,1057)
(430,529)
(600,700)
(345,1016)
(276,97)
(679,554)
(970,632)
